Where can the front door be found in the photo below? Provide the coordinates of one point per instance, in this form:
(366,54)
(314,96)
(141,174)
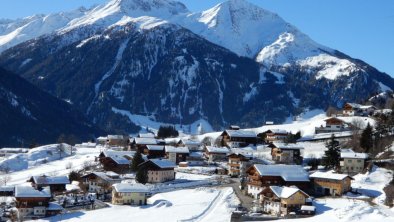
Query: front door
(327,191)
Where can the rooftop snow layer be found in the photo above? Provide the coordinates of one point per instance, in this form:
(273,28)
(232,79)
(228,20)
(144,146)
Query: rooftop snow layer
(46,180)
(163,163)
(173,149)
(329,175)
(287,172)
(213,149)
(155,147)
(28,191)
(130,188)
(284,192)
(241,133)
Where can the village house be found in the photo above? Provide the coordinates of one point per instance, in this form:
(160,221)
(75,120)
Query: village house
(159,170)
(7,152)
(32,203)
(238,138)
(333,124)
(117,140)
(190,144)
(101,182)
(273,135)
(237,164)
(129,194)
(140,144)
(280,201)
(56,184)
(352,162)
(324,137)
(354,109)
(176,154)
(330,184)
(116,161)
(102,140)
(213,153)
(286,153)
(260,176)
(154,151)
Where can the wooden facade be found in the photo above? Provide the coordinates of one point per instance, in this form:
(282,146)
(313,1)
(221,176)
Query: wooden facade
(282,205)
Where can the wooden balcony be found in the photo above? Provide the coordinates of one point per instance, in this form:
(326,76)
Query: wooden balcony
(234,164)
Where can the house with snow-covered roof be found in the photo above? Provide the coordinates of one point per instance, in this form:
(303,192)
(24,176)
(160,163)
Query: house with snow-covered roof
(129,194)
(238,138)
(286,153)
(273,135)
(116,161)
(332,125)
(117,140)
(281,200)
(159,170)
(260,176)
(213,153)
(238,163)
(56,184)
(140,143)
(330,183)
(30,202)
(352,162)
(101,182)
(154,151)
(176,154)
(192,145)
(354,109)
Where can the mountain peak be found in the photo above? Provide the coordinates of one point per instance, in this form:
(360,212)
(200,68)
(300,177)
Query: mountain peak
(172,7)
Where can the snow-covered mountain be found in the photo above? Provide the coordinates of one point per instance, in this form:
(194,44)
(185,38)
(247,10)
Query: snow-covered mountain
(233,63)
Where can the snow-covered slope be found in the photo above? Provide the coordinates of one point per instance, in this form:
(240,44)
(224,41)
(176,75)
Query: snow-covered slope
(13,32)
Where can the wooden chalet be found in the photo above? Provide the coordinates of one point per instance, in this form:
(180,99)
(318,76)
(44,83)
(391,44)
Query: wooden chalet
(159,170)
(154,151)
(116,161)
(330,184)
(32,203)
(101,182)
(333,124)
(280,201)
(260,176)
(117,140)
(238,138)
(176,154)
(237,164)
(273,135)
(57,184)
(141,143)
(286,153)
(213,153)
(354,109)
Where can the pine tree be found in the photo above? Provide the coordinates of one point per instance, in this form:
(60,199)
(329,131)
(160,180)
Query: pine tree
(366,140)
(332,154)
(141,176)
(137,160)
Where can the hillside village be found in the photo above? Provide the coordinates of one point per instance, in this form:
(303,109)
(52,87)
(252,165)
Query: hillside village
(331,165)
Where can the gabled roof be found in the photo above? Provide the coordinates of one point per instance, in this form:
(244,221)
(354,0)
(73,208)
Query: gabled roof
(173,149)
(130,188)
(286,192)
(29,191)
(190,142)
(241,133)
(161,163)
(145,141)
(350,154)
(329,175)
(106,176)
(115,137)
(7,189)
(287,172)
(288,146)
(213,149)
(241,156)
(119,156)
(46,180)
(155,147)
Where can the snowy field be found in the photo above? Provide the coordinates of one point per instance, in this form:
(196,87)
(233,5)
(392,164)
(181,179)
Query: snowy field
(202,204)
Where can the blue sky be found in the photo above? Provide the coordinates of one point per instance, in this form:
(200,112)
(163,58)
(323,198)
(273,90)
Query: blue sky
(363,29)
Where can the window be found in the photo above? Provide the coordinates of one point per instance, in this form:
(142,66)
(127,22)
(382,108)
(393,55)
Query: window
(349,161)
(358,161)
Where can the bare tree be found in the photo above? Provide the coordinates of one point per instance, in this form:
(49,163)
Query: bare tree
(4,179)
